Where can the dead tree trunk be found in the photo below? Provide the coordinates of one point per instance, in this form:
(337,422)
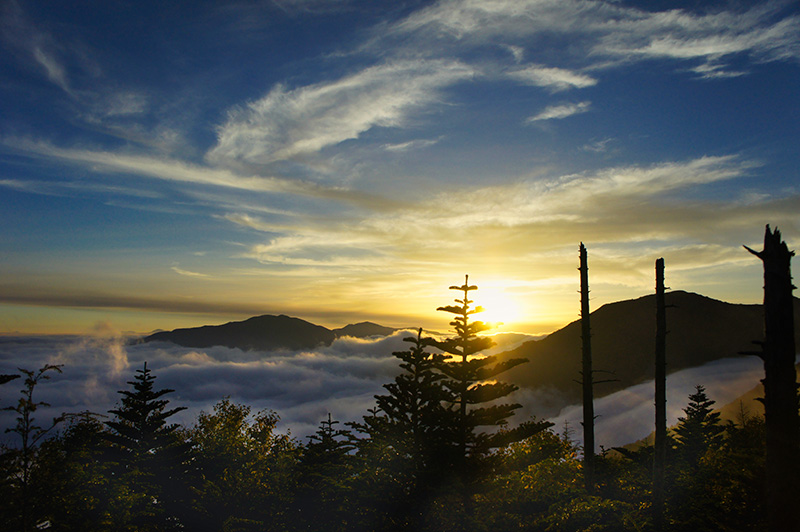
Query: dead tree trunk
(586,375)
(660,456)
(780,385)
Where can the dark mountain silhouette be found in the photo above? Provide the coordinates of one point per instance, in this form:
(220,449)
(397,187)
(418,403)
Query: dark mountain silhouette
(263,333)
(266,333)
(701,330)
(363,330)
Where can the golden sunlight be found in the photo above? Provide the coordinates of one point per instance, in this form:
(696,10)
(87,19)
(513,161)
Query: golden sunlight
(499,307)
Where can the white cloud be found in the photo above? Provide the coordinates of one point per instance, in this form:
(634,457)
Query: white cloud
(598,146)
(555,79)
(557,112)
(410,145)
(600,30)
(711,70)
(123,103)
(289,123)
(55,71)
(329,248)
(169,169)
(613,205)
(302,387)
(187,273)
(627,416)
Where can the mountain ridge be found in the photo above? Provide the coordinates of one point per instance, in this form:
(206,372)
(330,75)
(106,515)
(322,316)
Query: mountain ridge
(701,329)
(266,333)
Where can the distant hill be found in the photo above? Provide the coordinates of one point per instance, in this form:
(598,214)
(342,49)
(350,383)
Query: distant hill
(363,330)
(265,333)
(701,329)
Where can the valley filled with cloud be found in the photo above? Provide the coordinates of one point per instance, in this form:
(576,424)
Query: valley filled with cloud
(303,387)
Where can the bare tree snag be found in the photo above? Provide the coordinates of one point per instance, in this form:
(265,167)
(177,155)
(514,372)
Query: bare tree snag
(660,456)
(780,385)
(586,374)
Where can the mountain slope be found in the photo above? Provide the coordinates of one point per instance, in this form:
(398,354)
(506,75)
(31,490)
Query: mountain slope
(363,330)
(262,333)
(701,329)
(266,333)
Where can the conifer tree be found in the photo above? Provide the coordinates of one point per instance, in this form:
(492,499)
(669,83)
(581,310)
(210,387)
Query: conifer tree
(324,496)
(328,445)
(411,414)
(474,399)
(406,433)
(699,428)
(140,426)
(150,453)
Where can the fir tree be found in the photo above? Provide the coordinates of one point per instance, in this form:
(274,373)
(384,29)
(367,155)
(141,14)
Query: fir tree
(411,414)
(140,427)
(407,440)
(324,499)
(699,428)
(150,452)
(474,400)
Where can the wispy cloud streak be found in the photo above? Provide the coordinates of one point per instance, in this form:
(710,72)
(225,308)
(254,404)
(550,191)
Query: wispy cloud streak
(555,79)
(557,112)
(289,123)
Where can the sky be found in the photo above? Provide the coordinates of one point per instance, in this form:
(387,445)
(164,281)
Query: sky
(167,164)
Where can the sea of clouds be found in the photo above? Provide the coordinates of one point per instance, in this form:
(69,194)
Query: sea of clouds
(304,386)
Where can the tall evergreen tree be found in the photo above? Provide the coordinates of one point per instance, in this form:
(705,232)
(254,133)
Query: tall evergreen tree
(699,428)
(325,498)
(407,437)
(411,414)
(149,451)
(140,426)
(474,397)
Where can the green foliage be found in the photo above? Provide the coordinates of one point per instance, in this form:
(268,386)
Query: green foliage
(18,462)
(325,498)
(243,470)
(407,438)
(149,457)
(699,429)
(724,489)
(140,427)
(73,485)
(232,471)
(473,396)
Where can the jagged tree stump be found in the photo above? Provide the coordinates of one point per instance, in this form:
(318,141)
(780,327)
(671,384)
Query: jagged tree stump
(780,385)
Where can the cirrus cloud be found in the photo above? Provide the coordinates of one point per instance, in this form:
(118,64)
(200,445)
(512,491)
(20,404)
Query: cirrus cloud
(288,123)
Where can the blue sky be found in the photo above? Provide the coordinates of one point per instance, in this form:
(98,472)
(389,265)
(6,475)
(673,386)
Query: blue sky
(181,163)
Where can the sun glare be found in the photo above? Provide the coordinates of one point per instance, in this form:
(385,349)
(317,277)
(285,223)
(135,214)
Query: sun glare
(498,306)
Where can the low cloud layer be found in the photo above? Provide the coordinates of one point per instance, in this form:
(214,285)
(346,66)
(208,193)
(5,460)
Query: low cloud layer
(302,387)
(628,416)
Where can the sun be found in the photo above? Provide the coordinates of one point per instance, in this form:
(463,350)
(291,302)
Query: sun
(498,307)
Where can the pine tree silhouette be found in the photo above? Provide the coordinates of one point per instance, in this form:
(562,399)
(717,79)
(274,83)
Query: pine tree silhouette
(475,395)
(150,455)
(699,428)
(407,434)
(140,427)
